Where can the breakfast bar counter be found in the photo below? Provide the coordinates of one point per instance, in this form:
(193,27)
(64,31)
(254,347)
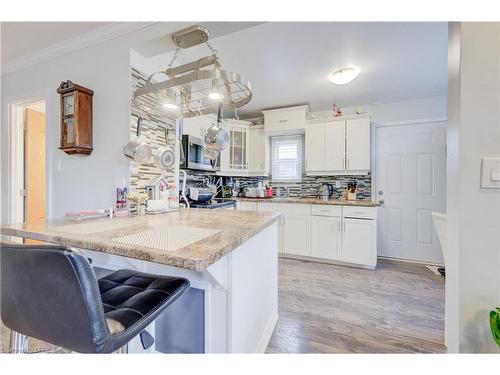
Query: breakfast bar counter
(229,257)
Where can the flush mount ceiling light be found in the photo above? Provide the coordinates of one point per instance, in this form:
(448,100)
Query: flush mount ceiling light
(343,76)
(195,88)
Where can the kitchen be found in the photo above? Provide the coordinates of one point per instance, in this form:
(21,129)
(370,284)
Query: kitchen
(322,179)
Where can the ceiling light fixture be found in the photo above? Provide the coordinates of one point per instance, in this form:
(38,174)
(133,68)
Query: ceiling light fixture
(343,76)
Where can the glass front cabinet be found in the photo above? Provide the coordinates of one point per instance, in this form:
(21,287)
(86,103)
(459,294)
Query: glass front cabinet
(234,159)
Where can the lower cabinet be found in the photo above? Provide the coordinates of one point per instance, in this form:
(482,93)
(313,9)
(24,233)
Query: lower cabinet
(360,241)
(337,233)
(326,239)
(296,234)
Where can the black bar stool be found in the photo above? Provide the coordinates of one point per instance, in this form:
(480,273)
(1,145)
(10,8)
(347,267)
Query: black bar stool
(51,293)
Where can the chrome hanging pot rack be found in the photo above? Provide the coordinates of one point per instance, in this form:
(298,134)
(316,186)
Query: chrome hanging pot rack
(195,88)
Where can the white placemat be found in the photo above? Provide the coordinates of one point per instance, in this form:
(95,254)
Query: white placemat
(168,238)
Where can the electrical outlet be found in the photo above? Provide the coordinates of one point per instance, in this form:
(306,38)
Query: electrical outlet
(337,184)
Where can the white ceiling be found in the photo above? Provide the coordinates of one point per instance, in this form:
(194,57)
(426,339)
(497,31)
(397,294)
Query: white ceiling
(288,63)
(22,38)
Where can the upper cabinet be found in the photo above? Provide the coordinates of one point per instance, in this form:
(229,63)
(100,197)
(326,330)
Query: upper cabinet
(285,120)
(358,143)
(234,160)
(259,155)
(336,146)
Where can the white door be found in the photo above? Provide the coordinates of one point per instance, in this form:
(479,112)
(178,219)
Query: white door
(358,144)
(315,147)
(411,181)
(359,241)
(334,146)
(325,237)
(296,234)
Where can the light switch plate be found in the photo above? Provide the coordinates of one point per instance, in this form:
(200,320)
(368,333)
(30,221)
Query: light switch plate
(490,173)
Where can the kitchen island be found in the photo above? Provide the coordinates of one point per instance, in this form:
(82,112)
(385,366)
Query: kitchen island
(230,258)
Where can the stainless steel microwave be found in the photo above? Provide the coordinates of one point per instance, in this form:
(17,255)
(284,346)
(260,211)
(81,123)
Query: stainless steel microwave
(194,159)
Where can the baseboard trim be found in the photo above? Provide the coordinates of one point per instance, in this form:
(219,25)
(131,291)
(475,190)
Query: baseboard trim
(413,261)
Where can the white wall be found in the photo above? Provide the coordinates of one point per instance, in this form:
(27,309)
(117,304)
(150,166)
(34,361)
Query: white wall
(473,280)
(82,182)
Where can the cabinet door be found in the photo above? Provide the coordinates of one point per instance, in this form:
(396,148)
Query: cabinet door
(296,234)
(315,147)
(358,145)
(238,145)
(325,237)
(258,152)
(359,242)
(335,146)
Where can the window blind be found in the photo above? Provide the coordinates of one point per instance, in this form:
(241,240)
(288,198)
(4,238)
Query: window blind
(286,158)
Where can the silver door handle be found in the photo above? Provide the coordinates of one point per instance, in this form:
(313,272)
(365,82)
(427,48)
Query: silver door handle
(381,201)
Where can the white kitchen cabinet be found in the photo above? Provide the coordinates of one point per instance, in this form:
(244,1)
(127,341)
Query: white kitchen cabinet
(315,147)
(337,233)
(338,147)
(196,126)
(358,145)
(326,237)
(359,241)
(285,120)
(296,234)
(234,159)
(259,152)
(335,146)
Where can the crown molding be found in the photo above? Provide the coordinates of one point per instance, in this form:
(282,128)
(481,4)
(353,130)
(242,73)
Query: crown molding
(97,36)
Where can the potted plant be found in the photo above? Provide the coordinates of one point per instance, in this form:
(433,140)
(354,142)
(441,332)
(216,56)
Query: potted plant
(495,324)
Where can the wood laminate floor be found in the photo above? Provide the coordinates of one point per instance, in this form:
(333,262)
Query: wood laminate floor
(397,308)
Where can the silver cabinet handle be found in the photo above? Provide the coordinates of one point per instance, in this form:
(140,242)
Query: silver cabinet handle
(283,120)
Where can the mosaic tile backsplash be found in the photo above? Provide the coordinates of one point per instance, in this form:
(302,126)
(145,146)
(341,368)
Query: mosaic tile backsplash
(153,130)
(308,188)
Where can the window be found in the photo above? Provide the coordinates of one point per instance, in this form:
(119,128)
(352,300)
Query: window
(286,158)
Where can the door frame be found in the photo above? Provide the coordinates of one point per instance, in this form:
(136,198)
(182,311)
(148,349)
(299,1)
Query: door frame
(15,153)
(374,145)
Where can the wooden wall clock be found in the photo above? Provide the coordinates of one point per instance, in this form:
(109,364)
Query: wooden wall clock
(76,118)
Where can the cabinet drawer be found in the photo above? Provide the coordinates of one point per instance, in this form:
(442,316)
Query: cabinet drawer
(326,210)
(360,212)
(286,208)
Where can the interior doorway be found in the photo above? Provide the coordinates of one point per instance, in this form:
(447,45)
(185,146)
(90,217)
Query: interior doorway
(28,190)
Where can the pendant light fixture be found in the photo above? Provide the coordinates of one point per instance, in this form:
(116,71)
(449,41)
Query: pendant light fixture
(195,88)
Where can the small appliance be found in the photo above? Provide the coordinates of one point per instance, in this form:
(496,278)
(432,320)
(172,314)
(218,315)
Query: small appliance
(194,155)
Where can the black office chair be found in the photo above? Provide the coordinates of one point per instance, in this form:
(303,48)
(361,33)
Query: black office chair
(51,293)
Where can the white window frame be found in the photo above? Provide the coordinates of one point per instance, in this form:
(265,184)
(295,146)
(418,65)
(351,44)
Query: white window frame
(300,139)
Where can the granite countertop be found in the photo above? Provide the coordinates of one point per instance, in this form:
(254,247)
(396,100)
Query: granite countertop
(336,202)
(227,230)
